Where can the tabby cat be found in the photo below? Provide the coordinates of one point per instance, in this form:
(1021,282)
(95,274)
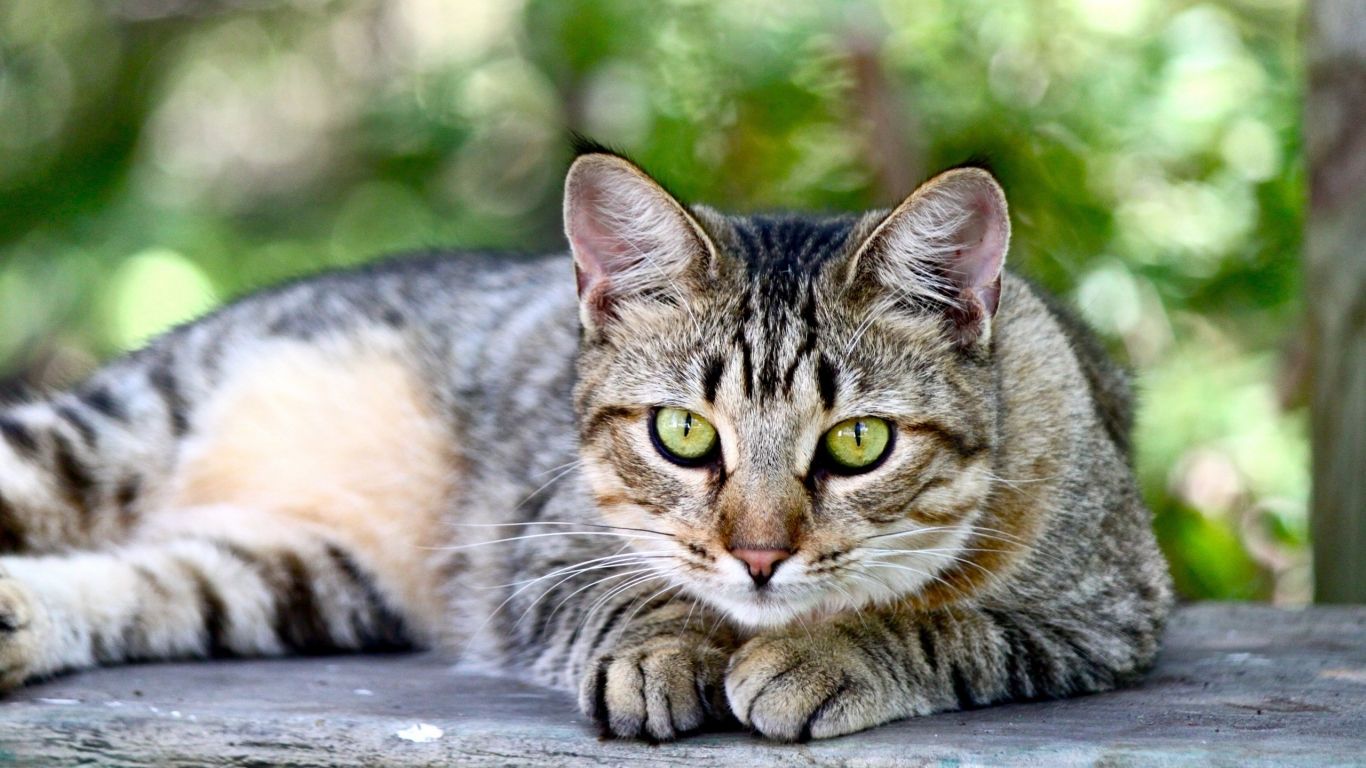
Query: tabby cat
(811,474)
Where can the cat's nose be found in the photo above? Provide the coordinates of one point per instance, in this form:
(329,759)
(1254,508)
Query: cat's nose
(761,562)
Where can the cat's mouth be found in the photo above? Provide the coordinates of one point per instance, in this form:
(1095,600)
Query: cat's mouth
(773,604)
(758,608)
(799,592)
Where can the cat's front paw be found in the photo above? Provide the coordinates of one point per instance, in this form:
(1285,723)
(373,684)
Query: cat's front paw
(794,687)
(18,636)
(656,690)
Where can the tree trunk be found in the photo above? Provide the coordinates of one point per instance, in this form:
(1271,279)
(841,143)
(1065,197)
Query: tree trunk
(1335,279)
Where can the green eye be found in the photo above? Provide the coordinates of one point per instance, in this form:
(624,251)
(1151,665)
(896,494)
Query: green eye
(857,444)
(683,436)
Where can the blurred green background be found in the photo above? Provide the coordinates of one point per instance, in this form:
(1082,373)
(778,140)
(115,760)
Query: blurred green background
(160,156)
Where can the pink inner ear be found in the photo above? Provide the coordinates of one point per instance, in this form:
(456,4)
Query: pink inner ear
(594,227)
(595,249)
(598,253)
(583,280)
(629,237)
(977,266)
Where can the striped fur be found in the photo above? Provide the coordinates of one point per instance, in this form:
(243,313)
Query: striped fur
(453,449)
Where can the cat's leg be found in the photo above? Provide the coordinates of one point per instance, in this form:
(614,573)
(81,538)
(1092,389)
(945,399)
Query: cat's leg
(646,661)
(857,671)
(171,473)
(659,674)
(76,470)
(294,592)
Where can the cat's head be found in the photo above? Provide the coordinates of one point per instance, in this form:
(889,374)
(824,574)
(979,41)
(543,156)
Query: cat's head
(797,413)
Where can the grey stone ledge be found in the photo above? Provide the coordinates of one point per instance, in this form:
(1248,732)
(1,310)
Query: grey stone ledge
(1236,685)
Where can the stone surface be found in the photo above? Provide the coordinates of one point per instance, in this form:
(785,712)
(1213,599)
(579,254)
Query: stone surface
(1236,685)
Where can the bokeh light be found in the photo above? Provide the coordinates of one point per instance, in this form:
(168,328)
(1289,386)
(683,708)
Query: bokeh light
(157,157)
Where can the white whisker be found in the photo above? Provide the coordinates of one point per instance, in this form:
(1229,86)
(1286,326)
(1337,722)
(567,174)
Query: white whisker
(964,561)
(541,536)
(545,485)
(613,592)
(924,574)
(644,603)
(556,522)
(626,558)
(557,468)
(527,611)
(589,585)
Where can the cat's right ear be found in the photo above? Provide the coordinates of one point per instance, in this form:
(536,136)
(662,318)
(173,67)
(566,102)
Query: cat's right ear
(630,238)
(944,247)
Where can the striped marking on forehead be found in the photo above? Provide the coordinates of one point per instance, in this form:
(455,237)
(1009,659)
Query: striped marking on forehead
(777,249)
(778,323)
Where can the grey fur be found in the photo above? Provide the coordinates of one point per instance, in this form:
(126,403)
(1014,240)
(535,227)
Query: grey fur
(1054,586)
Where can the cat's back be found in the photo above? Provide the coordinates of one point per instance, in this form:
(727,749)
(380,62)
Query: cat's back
(454,317)
(412,358)
(443,292)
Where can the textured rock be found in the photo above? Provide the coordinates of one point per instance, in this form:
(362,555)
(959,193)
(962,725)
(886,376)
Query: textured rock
(1236,685)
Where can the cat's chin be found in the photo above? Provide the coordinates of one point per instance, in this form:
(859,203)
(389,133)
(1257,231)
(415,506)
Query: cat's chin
(762,609)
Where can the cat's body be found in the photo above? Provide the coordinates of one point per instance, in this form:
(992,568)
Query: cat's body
(317,468)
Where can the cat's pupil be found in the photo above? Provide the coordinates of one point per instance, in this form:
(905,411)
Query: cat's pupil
(858,433)
(687,425)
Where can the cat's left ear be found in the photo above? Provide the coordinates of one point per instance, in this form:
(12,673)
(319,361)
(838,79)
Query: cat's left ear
(632,241)
(944,247)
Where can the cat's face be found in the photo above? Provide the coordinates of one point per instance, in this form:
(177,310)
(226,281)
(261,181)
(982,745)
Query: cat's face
(797,414)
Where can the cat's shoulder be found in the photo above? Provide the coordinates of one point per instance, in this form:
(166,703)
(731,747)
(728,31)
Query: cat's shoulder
(1108,382)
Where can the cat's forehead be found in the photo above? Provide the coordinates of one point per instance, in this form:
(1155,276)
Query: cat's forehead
(781,263)
(775,246)
(777,266)
(776,326)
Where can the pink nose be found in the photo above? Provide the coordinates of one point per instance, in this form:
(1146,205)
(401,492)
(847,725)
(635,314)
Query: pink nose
(761,562)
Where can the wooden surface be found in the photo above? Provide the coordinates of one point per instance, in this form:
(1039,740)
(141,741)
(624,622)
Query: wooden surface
(1236,685)
(1335,286)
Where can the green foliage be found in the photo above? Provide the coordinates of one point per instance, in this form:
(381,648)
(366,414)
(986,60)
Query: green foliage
(155,161)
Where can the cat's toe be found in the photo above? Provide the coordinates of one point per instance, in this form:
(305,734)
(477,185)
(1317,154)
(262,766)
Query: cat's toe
(657,691)
(18,641)
(794,689)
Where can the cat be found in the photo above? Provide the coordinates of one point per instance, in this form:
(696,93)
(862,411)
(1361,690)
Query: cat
(810,474)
